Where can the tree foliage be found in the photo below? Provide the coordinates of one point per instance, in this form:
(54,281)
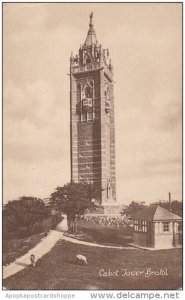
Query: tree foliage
(23,213)
(176,206)
(132,208)
(73,199)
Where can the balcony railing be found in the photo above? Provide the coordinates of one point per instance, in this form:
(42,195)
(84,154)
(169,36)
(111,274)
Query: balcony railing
(88,67)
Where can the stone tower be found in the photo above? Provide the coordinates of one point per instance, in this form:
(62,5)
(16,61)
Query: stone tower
(92,118)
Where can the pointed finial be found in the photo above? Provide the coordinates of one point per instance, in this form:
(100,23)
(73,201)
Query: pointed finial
(91,17)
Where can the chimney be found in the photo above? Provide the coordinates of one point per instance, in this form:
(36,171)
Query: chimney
(170,204)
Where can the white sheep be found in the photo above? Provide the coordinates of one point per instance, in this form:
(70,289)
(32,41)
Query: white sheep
(81,259)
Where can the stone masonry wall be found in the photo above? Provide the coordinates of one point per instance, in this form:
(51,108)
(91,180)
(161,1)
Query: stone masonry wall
(108,220)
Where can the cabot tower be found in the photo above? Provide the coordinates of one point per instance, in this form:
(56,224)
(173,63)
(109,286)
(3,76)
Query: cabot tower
(92,117)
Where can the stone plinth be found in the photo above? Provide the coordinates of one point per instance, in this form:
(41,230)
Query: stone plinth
(109,208)
(107,220)
(112,208)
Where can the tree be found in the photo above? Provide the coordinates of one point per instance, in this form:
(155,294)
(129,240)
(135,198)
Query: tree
(176,206)
(73,199)
(23,213)
(132,208)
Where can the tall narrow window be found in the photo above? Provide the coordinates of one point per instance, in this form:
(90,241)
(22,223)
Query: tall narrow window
(84,117)
(140,225)
(90,116)
(87,101)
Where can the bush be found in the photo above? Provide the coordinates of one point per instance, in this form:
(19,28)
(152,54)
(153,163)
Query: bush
(23,232)
(42,226)
(21,216)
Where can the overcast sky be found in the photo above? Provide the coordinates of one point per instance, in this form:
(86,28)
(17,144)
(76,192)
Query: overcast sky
(144,41)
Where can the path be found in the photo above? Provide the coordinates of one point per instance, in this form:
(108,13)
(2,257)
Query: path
(45,245)
(39,250)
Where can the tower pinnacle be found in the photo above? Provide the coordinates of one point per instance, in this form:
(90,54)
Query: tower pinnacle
(91,19)
(91,35)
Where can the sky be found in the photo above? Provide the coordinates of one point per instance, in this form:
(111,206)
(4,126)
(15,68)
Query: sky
(145,46)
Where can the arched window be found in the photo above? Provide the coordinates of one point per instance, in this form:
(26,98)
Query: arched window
(88,60)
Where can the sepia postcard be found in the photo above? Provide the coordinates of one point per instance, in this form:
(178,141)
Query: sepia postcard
(92,147)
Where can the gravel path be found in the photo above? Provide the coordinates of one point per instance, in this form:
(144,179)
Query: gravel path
(45,245)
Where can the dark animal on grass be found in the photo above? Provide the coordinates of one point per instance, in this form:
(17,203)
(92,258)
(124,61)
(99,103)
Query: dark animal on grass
(81,260)
(33,260)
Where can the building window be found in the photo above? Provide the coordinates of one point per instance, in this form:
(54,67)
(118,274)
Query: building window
(166,226)
(88,60)
(140,226)
(144,226)
(87,117)
(135,225)
(84,117)
(90,116)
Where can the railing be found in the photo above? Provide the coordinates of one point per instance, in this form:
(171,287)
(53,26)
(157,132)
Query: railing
(87,67)
(92,66)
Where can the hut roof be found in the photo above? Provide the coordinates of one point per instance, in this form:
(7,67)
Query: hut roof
(155,213)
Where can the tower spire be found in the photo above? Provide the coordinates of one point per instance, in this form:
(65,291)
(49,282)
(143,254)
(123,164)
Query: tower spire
(91,19)
(91,35)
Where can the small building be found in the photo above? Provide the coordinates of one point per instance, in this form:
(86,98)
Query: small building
(156,227)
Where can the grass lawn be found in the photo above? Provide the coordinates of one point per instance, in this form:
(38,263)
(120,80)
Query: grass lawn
(95,233)
(15,248)
(57,269)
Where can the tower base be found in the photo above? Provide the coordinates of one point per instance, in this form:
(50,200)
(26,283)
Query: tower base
(109,208)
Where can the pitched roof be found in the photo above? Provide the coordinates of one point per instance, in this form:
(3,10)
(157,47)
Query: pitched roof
(155,213)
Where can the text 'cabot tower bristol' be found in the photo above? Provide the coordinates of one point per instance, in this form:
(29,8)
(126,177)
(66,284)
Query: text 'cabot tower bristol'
(92,117)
